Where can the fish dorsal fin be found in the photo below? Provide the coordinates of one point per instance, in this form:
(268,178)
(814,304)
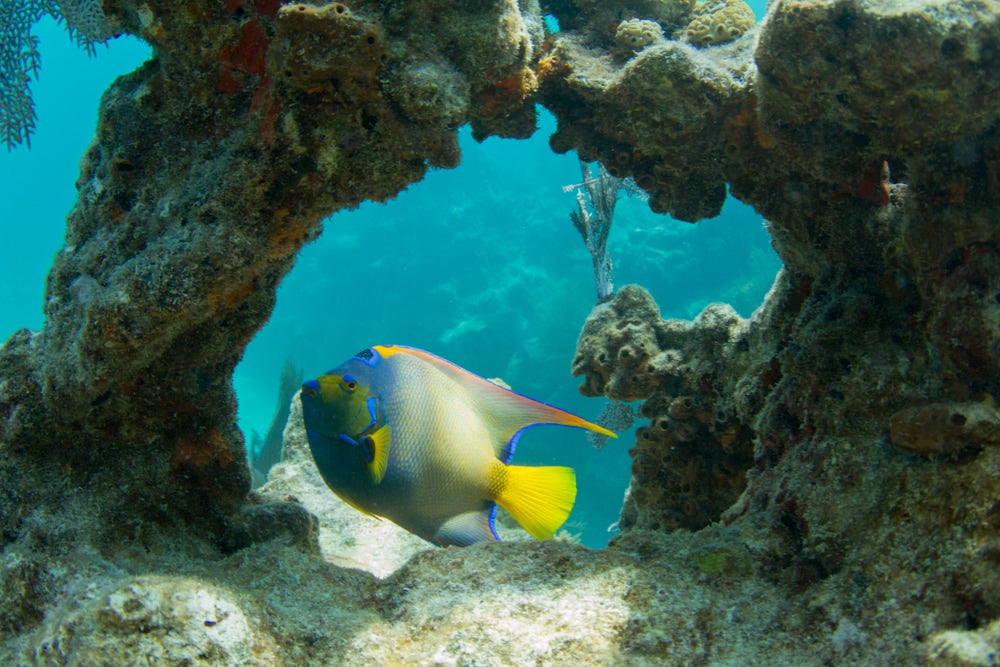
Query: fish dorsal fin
(506,412)
(377,445)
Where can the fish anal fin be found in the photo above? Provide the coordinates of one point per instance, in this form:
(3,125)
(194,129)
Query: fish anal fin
(539,498)
(378,444)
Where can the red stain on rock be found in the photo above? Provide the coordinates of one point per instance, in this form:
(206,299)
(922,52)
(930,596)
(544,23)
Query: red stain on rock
(245,58)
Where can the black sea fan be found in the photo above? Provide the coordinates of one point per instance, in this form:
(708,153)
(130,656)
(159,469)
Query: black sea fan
(20,60)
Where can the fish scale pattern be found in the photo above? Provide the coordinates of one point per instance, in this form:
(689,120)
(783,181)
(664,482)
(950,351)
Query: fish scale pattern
(451,405)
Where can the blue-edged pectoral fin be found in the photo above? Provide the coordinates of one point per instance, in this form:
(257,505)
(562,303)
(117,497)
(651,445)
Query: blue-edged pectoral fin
(467,528)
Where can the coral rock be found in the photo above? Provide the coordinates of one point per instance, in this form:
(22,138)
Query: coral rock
(167,620)
(327,48)
(965,648)
(690,461)
(430,90)
(864,131)
(649,116)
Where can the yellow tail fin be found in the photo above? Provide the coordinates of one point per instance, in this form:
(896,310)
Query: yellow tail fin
(539,498)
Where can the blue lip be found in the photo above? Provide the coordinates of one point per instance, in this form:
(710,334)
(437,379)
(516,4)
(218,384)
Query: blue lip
(311,385)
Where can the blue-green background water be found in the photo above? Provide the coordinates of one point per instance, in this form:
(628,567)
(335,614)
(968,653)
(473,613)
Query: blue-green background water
(480,265)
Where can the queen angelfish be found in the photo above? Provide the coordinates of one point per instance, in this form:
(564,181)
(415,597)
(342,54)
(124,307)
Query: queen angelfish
(402,434)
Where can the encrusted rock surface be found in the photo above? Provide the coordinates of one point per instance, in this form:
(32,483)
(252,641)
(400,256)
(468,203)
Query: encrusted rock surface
(689,462)
(660,135)
(864,131)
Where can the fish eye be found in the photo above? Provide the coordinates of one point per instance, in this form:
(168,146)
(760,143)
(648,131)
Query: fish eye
(349,384)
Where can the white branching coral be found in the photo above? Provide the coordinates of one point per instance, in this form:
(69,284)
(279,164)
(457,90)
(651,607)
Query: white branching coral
(596,197)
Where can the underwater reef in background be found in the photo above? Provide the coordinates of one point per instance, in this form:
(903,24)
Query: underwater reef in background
(817,484)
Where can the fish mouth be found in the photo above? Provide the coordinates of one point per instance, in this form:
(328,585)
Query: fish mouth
(311,389)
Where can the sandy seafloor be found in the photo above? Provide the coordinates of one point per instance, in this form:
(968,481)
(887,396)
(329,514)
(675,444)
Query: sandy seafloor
(480,265)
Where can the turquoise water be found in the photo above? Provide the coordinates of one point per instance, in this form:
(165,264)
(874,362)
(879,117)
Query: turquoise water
(480,265)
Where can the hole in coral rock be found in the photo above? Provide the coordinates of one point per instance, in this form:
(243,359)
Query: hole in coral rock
(845,21)
(958,419)
(616,170)
(645,180)
(951,48)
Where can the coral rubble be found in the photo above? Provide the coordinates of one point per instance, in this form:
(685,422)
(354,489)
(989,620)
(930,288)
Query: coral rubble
(816,484)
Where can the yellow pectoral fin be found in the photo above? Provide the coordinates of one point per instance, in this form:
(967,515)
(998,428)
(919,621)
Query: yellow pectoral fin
(378,443)
(539,498)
